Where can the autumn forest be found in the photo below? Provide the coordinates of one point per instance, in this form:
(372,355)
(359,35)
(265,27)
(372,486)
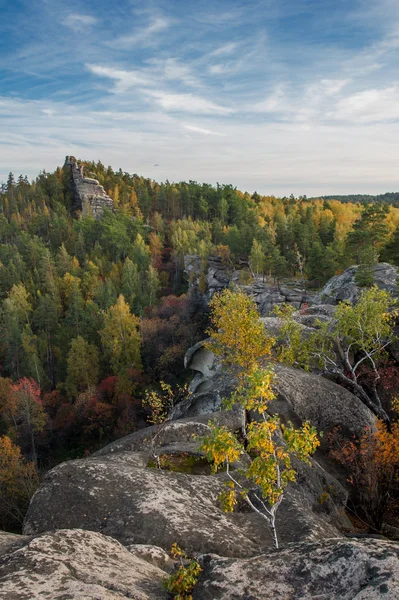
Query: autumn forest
(95,312)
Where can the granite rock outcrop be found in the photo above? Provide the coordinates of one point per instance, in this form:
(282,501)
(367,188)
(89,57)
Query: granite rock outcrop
(89,196)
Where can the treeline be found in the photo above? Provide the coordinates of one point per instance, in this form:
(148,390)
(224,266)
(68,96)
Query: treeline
(388,197)
(93,312)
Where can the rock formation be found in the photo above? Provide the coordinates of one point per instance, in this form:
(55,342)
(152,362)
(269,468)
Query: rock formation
(79,565)
(116,493)
(85,509)
(265,295)
(332,570)
(344,287)
(301,396)
(89,196)
(75,564)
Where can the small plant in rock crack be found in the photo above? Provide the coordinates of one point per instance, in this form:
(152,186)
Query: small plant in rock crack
(159,406)
(182,582)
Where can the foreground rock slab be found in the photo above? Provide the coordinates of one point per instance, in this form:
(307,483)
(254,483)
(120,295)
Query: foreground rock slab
(78,565)
(334,569)
(119,496)
(116,493)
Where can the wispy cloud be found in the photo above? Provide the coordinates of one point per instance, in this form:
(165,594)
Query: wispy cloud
(370,106)
(144,35)
(79,22)
(190,103)
(202,130)
(124,80)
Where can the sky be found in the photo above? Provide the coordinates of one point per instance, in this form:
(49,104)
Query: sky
(278,96)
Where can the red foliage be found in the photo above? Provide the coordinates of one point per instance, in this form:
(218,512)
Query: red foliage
(107,386)
(29,387)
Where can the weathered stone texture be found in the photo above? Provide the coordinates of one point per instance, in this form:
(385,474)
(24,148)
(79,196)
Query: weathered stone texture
(265,295)
(344,287)
(333,569)
(79,565)
(90,196)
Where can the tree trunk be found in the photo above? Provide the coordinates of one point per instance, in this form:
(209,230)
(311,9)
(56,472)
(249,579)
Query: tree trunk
(359,392)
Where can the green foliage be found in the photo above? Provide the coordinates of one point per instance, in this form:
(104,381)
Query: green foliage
(182,582)
(121,338)
(83,367)
(364,329)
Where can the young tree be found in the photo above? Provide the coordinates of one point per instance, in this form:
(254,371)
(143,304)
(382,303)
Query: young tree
(238,337)
(158,406)
(257,258)
(364,329)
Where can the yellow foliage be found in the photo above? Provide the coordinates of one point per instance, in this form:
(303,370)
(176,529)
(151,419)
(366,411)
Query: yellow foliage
(237,335)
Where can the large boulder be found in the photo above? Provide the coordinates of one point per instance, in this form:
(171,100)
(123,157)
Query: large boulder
(344,287)
(117,494)
(304,396)
(301,396)
(79,565)
(334,569)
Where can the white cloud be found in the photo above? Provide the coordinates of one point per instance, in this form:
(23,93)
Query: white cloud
(372,105)
(277,158)
(124,79)
(228,48)
(145,35)
(220,69)
(79,22)
(196,129)
(188,103)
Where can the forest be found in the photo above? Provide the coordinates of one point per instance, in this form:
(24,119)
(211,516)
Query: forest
(95,312)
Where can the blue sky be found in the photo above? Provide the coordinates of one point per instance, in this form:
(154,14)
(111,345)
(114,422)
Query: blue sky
(281,96)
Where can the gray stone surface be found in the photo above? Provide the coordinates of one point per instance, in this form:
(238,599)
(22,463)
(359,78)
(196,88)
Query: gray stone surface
(117,494)
(344,287)
(10,540)
(90,196)
(334,569)
(301,396)
(79,565)
(265,295)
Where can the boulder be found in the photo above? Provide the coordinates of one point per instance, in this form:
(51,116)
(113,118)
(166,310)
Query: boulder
(117,492)
(78,565)
(301,396)
(344,287)
(118,495)
(334,569)
(304,396)
(173,433)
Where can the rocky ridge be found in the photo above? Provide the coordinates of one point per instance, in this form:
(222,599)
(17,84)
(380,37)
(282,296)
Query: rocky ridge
(219,276)
(344,287)
(89,196)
